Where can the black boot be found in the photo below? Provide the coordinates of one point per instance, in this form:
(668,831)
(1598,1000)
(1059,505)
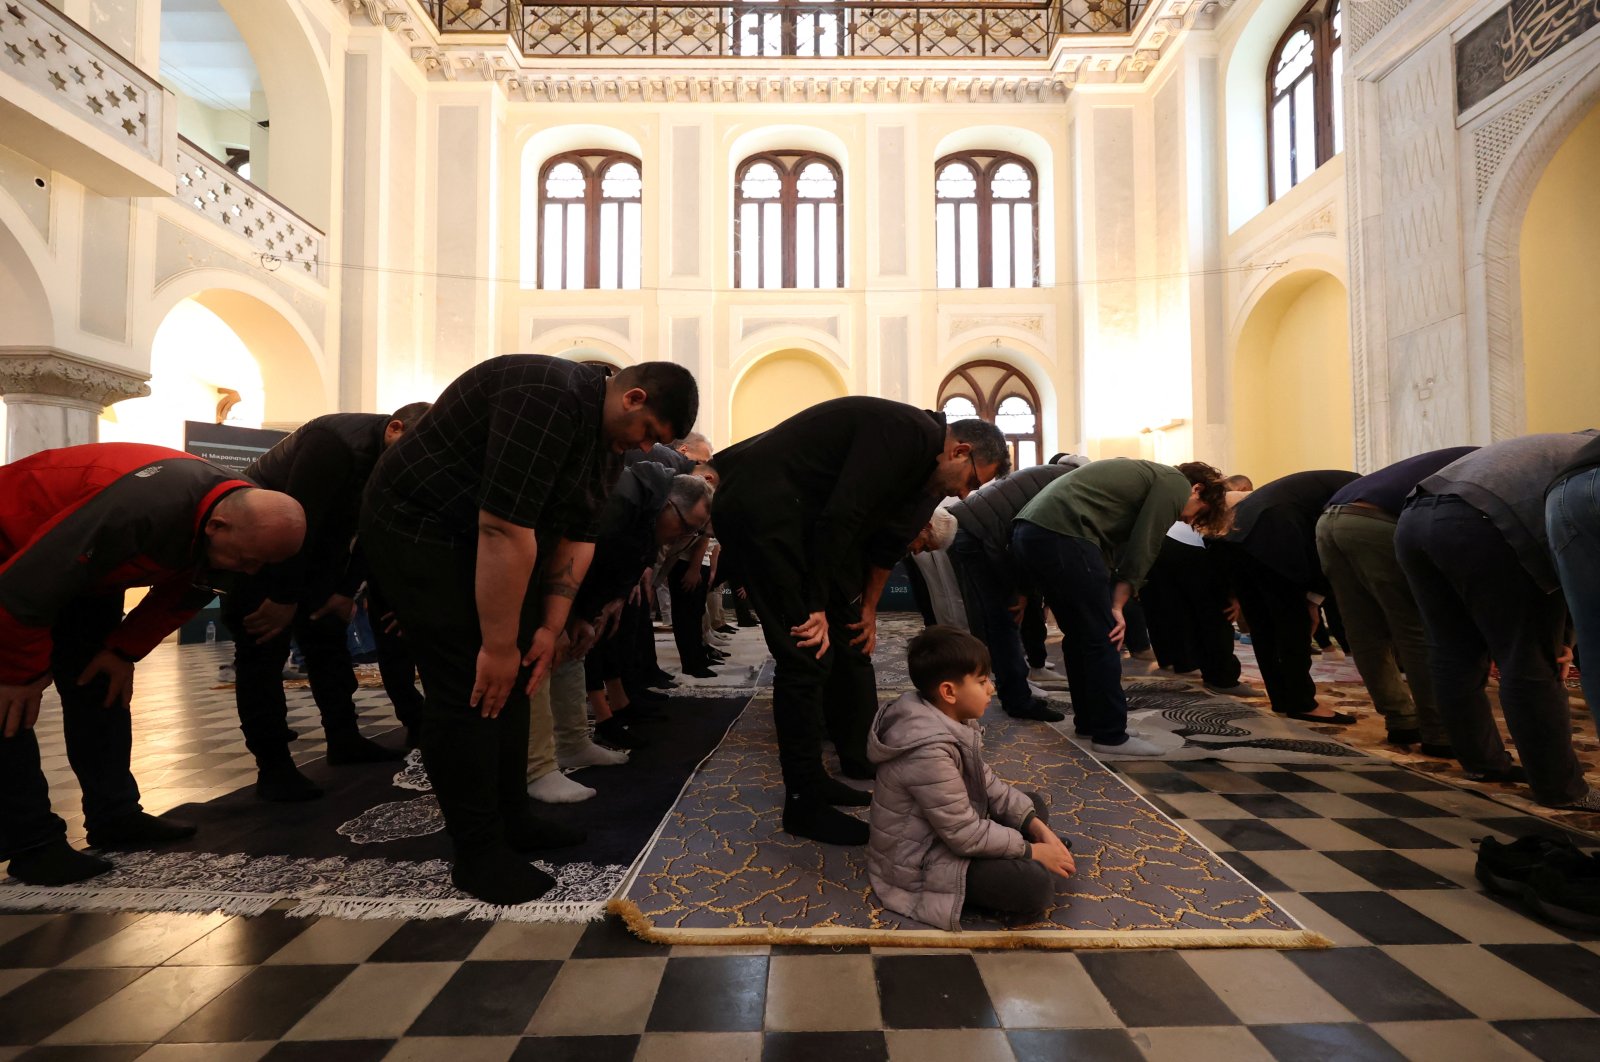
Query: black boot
(349,746)
(615,732)
(282,783)
(839,794)
(499,876)
(1039,709)
(814,819)
(138,830)
(56,863)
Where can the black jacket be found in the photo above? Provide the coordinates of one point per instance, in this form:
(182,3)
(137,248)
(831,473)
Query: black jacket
(834,488)
(324,465)
(627,541)
(1277,525)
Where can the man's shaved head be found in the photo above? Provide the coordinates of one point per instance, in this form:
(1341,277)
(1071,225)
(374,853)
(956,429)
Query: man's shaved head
(251,528)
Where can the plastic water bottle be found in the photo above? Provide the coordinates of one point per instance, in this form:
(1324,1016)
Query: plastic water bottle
(211,632)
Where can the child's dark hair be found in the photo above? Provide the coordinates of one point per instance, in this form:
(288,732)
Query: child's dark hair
(944,654)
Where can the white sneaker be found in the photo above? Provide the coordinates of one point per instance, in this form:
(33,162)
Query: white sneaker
(1136,745)
(1043,674)
(557,788)
(592,755)
(1037,692)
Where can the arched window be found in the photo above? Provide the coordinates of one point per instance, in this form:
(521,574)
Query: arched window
(986,219)
(1305,96)
(788,222)
(590,221)
(999,394)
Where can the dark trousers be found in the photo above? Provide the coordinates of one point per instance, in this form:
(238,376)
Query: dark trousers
(1572,519)
(1280,630)
(258,683)
(1012,886)
(688,616)
(1184,600)
(988,604)
(1077,587)
(99,740)
(1033,633)
(919,590)
(1478,603)
(838,691)
(1136,639)
(399,671)
(478,766)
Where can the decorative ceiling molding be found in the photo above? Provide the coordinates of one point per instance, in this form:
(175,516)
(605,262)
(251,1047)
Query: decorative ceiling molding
(1073,62)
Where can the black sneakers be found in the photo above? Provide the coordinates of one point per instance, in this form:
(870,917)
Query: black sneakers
(1553,879)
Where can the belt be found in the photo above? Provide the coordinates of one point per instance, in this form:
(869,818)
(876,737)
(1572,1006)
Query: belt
(1361,510)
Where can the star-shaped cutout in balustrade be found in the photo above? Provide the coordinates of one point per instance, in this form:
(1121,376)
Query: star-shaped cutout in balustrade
(129,128)
(113,99)
(58,81)
(16,54)
(78,75)
(38,49)
(16,12)
(95,105)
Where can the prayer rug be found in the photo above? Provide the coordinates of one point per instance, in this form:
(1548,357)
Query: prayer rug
(1191,724)
(721,872)
(374,846)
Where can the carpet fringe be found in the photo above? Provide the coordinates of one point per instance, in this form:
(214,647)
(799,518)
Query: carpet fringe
(1052,939)
(177,901)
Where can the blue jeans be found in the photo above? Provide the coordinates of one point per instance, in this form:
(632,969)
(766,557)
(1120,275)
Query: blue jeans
(1572,520)
(984,591)
(1077,587)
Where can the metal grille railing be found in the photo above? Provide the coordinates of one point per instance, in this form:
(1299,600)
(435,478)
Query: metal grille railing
(789,28)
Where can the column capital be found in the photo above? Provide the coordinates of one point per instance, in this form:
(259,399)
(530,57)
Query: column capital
(47,371)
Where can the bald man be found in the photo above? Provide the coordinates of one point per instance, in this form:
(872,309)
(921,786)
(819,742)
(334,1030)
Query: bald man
(78,527)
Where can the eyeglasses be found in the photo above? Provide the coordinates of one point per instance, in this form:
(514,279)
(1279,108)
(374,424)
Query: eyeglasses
(694,532)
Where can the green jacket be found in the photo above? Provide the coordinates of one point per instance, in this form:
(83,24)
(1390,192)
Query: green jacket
(1124,506)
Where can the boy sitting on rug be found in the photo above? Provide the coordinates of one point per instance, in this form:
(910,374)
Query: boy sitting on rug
(945,830)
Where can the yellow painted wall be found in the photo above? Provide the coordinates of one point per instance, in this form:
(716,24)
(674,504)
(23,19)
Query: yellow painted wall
(779,386)
(1291,381)
(1560,263)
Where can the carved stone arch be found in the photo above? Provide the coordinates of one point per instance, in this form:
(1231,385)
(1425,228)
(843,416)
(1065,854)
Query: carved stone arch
(1494,267)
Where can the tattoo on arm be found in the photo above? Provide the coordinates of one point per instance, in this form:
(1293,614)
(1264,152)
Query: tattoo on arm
(563,582)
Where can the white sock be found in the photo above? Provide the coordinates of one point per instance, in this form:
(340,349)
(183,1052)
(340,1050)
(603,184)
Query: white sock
(592,755)
(557,788)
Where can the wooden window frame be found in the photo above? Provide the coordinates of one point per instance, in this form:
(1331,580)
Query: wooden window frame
(986,201)
(594,164)
(789,164)
(1316,18)
(960,383)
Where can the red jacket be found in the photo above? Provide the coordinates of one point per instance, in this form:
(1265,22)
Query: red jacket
(98,519)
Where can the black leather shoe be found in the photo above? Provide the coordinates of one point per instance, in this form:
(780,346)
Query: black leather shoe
(139,830)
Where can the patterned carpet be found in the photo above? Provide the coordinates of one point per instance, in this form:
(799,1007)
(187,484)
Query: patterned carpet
(722,872)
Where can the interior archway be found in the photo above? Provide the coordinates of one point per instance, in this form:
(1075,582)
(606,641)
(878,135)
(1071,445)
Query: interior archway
(24,306)
(249,79)
(222,352)
(779,386)
(1560,257)
(1292,407)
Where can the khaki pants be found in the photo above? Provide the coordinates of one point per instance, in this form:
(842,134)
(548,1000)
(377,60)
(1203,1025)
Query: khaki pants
(1380,618)
(558,722)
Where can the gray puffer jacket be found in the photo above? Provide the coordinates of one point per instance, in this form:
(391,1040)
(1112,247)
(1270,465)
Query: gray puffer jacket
(935,807)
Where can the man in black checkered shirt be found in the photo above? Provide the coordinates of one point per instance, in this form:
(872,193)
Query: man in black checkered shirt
(506,472)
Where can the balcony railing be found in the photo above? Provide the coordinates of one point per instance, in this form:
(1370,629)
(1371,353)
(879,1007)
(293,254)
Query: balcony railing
(281,237)
(62,61)
(769,29)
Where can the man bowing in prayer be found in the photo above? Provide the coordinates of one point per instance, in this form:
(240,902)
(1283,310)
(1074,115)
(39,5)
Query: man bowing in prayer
(78,526)
(812,515)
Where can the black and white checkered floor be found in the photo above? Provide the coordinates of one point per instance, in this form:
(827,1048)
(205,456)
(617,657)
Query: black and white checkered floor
(1378,859)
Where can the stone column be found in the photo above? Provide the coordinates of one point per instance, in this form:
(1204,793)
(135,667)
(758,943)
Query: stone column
(54,398)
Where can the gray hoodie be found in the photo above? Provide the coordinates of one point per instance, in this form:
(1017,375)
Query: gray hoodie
(935,807)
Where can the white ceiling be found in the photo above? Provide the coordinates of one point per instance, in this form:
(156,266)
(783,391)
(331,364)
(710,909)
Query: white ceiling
(203,56)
